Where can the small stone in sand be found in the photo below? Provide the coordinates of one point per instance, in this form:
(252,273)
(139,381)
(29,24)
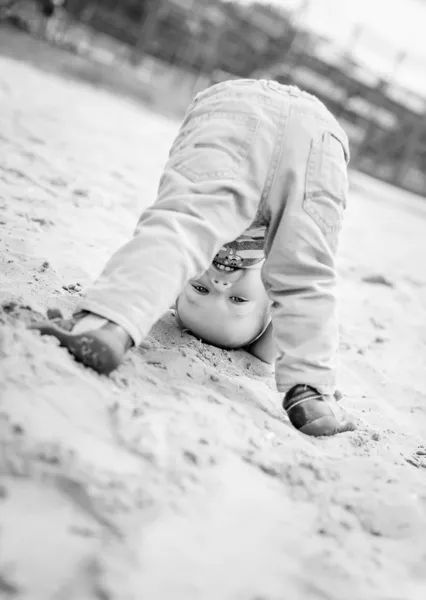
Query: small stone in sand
(378,280)
(9,306)
(44,266)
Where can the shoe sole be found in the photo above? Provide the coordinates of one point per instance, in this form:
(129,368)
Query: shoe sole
(93,353)
(326,426)
(91,350)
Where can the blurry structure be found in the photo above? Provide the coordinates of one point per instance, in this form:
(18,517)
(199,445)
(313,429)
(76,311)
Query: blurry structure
(14,8)
(181,46)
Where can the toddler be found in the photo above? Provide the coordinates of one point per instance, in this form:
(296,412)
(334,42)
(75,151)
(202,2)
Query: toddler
(241,241)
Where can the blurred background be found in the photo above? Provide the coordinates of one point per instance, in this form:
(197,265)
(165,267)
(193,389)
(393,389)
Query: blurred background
(365,59)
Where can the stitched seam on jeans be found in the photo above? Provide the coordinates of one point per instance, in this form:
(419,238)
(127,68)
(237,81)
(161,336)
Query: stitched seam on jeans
(325,226)
(230,172)
(311,197)
(277,153)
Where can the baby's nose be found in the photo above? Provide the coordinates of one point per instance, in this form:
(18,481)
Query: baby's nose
(220,284)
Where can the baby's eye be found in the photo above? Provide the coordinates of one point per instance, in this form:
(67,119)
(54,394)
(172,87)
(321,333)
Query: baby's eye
(238,299)
(200,288)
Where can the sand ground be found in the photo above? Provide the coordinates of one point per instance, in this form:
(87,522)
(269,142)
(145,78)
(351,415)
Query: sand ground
(179,477)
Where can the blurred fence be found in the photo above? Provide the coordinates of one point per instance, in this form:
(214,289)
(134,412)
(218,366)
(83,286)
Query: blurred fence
(178,47)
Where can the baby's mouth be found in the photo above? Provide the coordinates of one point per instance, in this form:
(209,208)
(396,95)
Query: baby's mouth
(222,267)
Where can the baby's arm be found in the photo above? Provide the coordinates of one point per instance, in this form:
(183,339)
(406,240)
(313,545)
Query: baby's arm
(264,347)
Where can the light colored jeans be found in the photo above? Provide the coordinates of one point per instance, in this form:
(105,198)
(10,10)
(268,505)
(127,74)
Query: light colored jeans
(248,152)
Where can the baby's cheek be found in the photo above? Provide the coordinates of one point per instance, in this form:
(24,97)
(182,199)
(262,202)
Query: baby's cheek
(186,291)
(179,306)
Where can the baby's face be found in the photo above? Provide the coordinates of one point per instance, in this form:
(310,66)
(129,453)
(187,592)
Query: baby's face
(225,308)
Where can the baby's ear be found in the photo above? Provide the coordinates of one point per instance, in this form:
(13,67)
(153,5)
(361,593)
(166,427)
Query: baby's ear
(264,347)
(174,310)
(173,307)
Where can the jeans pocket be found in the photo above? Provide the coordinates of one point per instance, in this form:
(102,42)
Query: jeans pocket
(213,145)
(327,185)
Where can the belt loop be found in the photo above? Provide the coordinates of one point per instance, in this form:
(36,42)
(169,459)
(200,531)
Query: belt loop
(271,84)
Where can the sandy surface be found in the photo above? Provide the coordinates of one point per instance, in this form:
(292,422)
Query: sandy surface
(179,477)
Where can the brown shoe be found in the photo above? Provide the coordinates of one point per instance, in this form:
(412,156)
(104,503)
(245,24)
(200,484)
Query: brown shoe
(94,341)
(315,414)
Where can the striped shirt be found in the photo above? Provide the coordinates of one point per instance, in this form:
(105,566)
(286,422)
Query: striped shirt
(244,252)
